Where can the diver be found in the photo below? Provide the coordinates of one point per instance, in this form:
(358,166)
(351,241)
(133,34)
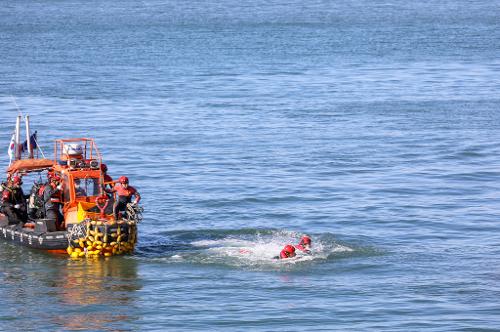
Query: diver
(35,201)
(52,201)
(304,244)
(124,193)
(287,252)
(14,202)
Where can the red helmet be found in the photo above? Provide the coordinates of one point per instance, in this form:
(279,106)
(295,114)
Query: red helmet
(123,180)
(289,249)
(305,240)
(104,168)
(17,180)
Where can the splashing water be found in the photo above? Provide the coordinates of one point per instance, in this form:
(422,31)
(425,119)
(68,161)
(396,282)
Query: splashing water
(247,249)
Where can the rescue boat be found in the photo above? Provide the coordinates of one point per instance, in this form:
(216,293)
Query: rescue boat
(89,228)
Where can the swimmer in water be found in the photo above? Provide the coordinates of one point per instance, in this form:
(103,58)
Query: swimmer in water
(287,252)
(304,245)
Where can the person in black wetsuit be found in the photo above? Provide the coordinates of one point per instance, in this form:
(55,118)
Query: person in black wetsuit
(14,202)
(52,201)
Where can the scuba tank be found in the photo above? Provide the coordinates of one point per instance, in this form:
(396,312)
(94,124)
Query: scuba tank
(35,202)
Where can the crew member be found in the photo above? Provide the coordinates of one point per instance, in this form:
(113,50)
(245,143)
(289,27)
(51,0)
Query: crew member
(108,188)
(304,244)
(7,183)
(124,193)
(4,186)
(14,202)
(52,201)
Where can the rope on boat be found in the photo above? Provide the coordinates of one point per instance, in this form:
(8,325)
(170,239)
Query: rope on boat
(95,238)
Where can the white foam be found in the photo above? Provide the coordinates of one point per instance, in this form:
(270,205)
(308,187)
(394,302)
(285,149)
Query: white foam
(341,248)
(262,249)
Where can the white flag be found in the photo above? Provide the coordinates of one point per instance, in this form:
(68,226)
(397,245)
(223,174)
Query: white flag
(12,147)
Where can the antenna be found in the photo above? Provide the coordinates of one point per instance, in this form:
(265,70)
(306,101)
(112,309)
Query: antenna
(17,106)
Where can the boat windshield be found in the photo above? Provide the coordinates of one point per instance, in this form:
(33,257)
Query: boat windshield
(86,187)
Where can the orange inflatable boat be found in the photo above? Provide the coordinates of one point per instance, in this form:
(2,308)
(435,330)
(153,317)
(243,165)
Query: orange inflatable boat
(87,226)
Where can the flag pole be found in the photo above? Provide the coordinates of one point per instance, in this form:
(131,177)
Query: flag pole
(28,136)
(18,138)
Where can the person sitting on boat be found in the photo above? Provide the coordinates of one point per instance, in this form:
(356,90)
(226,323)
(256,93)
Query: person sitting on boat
(304,244)
(52,200)
(124,193)
(14,202)
(287,252)
(79,190)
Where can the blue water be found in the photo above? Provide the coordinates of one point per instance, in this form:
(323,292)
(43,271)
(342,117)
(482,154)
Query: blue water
(373,126)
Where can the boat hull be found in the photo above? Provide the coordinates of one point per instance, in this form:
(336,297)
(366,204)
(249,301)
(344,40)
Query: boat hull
(79,241)
(29,238)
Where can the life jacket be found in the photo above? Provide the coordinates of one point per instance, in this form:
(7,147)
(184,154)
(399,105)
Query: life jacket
(122,191)
(9,195)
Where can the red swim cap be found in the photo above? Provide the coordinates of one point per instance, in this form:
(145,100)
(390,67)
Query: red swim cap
(289,249)
(305,240)
(123,179)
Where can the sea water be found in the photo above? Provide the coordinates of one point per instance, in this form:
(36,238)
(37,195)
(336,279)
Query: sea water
(372,126)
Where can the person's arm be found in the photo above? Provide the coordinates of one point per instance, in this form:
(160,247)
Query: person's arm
(109,187)
(137,197)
